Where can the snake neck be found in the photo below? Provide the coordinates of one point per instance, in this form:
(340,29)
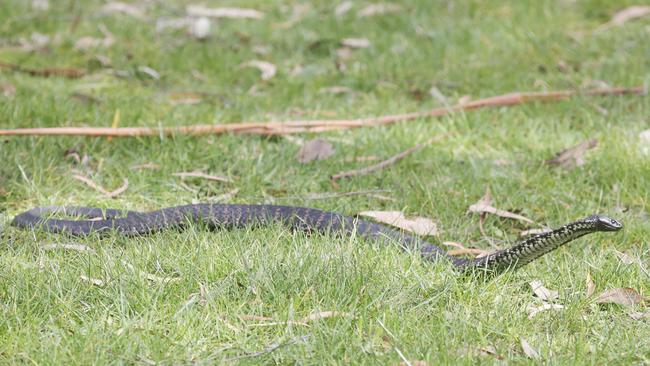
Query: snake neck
(534,247)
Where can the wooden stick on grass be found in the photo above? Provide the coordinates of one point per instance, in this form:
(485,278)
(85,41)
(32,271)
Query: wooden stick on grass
(315,126)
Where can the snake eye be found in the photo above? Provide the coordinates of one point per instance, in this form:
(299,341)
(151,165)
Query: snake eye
(607,224)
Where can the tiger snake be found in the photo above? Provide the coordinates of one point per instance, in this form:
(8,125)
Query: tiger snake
(132,223)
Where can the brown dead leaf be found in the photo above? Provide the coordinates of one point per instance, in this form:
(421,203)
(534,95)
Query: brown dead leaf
(355,42)
(529,350)
(232,13)
(573,156)
(317,149)
(378,9)
(335,90)
(151,166)
(94,281)
(489,351)
(201,175)
(185,98)
(77,247)
(148,71)
(8,89)
(413,363)
(625,258)
(258,318)
(591,286)
(85,43)
(123,8)
(268,69)
(323,315)
(627,14)
(637,315)
(418,225)
(342,8)
(151,277)
(472,251)
(623,296)
(542,292)
(484,205)
(97,187)
(534,310)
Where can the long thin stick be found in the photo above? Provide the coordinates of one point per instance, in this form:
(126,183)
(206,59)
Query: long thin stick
(290,127)
(385,163)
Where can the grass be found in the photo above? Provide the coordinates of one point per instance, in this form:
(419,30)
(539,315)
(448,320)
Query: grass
(398,303)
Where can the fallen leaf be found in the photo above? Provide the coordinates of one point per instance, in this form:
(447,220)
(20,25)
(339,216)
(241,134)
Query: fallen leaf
(185,98)
(255,318)
(489,351)
(268,69)
(297,11)
(355,42)
(573,156)
(534,310)
(199,28)
(41,4)
(473,251)
(233,13)
(323,315)
(591,286)
(343,8)
(627,14)
(418,225)
(88,42)
(413,363)
(484,206)
(151,277)
(149,72)
(335,90)
(529,350)
(94,281)
(8,89)
(622,296)
(625,258)
(378,9)
(542,292)
(317,149)
(636,315)
(77,247)
(151,166)
(173,23)
(201,175)
(124,8)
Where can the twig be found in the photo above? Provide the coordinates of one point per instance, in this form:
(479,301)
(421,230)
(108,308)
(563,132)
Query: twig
(290,127)
(328,195)
(201,175)
(46,72)
(383,164)
(270,348)
(101,189)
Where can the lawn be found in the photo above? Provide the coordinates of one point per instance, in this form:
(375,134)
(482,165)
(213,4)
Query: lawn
(246,296)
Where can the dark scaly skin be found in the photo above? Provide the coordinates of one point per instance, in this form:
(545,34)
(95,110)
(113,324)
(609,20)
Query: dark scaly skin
(233,216)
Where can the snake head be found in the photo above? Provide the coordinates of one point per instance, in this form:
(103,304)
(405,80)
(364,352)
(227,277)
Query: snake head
(604,223)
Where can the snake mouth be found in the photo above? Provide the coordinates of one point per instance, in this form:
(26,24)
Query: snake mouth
(605,223)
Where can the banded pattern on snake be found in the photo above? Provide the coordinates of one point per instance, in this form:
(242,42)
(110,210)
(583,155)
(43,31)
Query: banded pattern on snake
(302,218)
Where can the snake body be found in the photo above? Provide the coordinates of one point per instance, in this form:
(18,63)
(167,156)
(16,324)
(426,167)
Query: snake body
(134,223)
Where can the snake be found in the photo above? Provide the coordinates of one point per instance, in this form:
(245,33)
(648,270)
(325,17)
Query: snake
(83,221)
